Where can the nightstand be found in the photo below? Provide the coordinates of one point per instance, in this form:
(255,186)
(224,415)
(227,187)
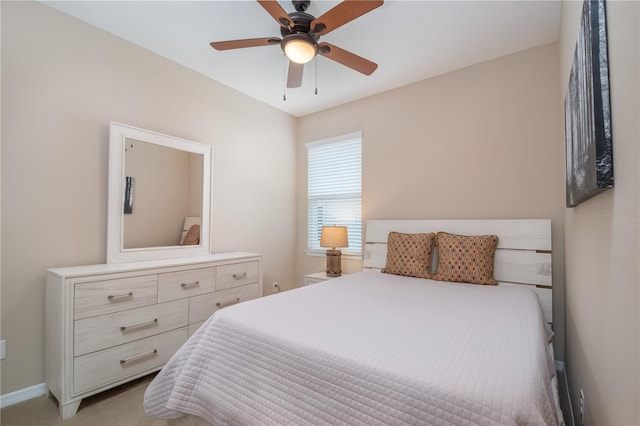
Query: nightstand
(316,278)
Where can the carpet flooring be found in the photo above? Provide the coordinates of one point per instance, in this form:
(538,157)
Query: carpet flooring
(120,406)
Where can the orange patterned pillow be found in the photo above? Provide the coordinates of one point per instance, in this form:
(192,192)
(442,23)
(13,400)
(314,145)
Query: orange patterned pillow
(466,259)
(192,238)
(409,254)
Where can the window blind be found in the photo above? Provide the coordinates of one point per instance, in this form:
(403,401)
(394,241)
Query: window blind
(335,190)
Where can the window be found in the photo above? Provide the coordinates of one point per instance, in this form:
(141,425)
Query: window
(334,194)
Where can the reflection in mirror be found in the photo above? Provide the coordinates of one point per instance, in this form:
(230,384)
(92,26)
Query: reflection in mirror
(159,196)
(167,188)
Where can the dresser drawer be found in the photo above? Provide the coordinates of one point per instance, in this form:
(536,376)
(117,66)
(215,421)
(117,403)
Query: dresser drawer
(202,307)
(110,365)
(105,331)
(181,284)
(194,327)
(104,297)
(237,274)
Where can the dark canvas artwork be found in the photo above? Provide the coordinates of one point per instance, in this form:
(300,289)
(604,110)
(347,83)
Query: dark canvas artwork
(588,110)
(128,195)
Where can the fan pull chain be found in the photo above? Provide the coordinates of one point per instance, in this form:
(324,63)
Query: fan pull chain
(316,75)
(284,80)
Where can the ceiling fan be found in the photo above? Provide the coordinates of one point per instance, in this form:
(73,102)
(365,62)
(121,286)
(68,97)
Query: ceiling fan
(301,33)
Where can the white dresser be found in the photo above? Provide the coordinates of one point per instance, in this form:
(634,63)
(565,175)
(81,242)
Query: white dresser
(108,324)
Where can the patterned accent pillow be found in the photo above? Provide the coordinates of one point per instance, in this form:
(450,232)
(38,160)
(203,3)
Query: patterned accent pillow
(466,259)
(192,238)
(409,254)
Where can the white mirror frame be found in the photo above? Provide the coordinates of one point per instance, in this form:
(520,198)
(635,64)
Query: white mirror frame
(116,253)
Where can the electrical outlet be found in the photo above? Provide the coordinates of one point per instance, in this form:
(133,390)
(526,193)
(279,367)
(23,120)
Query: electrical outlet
(275,288)
(581,407)
(3,354)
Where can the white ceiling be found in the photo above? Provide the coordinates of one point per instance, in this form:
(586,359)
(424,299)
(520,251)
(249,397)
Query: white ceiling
(409,40)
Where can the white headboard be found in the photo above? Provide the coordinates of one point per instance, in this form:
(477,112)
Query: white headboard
(523,256)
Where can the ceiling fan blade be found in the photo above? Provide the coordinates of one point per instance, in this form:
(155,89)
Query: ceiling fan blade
(343,13)
(248,42)
(277,12)
(294,76)
(347,58)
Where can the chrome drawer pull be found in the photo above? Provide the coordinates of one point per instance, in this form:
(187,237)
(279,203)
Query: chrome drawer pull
(189,285)
(240,276)
(139,324)
(137,357)
(116,297)
(229,303)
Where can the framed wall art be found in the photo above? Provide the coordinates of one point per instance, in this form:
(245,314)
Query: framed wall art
(589,150)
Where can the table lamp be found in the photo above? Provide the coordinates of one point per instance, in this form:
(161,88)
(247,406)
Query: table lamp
(334,236)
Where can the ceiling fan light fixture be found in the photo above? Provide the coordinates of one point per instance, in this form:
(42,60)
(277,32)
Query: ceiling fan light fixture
(299,48)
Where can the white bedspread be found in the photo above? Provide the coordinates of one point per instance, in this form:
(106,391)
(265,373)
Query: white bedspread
(367,348)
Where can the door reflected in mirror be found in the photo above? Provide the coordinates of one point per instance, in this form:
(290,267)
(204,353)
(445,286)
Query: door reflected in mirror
(166,189)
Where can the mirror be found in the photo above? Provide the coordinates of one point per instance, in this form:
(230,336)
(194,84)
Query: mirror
(154,175)
(159,188)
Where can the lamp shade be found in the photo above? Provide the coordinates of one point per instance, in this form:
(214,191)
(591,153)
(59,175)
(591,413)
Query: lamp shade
(334,236)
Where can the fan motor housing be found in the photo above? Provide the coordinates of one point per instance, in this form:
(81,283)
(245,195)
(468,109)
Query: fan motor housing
(301,24)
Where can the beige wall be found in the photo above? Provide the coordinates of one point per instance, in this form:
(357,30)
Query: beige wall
(63,81)
(481,142)
(602,255)
(161,181)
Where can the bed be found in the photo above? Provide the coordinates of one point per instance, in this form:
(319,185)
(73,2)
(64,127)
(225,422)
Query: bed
(379,348)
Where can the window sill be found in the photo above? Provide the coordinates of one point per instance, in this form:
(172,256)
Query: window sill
(345,255)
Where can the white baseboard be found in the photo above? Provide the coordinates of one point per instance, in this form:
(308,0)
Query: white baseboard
(23,395)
